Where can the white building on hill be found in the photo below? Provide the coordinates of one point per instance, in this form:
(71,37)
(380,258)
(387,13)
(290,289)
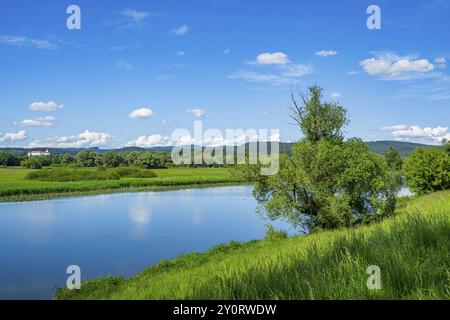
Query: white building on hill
(39,153)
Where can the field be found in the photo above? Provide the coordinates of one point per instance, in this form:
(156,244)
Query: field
(411,249)
(15,187)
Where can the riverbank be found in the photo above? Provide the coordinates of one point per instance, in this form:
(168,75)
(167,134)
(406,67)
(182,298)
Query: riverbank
(15,188)
(410,248)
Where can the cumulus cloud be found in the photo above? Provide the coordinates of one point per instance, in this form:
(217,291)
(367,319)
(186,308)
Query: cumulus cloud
(419,134)
(197,112)
(45,106)
(12,137)
(271,58)
(441,62)
(38,122)
(326,53)
(156,140)
(390,66)
(86,139)
(20,41)
(180,31)
(141,113)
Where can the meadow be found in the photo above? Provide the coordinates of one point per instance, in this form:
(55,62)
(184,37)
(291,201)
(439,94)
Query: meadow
(412,250)
(16,185)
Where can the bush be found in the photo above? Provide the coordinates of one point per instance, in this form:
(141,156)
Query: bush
(33,163)
(428,170)
(78,174)
(273,235)
(67,175)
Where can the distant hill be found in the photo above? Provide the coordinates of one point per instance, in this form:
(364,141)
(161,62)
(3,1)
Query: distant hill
(380,147)
(405,148)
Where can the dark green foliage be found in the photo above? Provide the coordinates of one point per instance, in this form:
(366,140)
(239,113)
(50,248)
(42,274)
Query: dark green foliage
(74,174)
(428,170)
(87,159)
(9,160)
(153,160)
(34,162)
(393,159)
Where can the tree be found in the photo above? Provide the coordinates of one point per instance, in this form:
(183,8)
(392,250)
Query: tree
(326,182)
(86,158)
(112,159)
(428,170)
(33,163)
(393,159)
(8,159)
(67,159)
(318,120)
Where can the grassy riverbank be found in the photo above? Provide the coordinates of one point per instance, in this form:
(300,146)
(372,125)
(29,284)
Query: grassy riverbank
(15,187)
(411,249)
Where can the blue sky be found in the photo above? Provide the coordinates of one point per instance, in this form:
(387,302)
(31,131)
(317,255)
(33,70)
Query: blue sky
(229,63)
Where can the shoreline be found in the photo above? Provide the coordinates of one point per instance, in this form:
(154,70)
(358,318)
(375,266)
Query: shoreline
(76,194)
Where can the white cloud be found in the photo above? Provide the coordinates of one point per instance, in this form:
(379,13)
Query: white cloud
(45,106)
(296,70)
(156,140)
(326,53)
(394,127)
(271,58)
(441,62)
(38,122)
(286,72)
(141,113)
(351,73)
(181,53)
(12,137)
(197,112)
(124,65)
(390,66)
(86,139)
(426,134)
(180,31)
(226,51)
(19,41)
(169,122)
(335,95)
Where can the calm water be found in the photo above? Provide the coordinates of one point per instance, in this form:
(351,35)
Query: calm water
(117,234)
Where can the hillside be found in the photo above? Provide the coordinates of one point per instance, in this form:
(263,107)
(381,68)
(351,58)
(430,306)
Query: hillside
(411,250)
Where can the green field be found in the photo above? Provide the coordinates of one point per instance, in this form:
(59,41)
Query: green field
(15,187)
(411,249)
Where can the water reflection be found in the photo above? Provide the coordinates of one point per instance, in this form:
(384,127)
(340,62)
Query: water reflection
(118,234)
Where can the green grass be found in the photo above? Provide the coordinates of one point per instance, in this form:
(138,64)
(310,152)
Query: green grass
(412,250)
(15,187)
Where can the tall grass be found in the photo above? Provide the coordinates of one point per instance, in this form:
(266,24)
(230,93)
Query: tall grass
(411,249)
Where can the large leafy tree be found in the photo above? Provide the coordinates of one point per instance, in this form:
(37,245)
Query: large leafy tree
(428,170)
(326,182)
(393,159)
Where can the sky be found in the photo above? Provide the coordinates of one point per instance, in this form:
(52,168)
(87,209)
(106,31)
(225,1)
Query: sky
(138,70)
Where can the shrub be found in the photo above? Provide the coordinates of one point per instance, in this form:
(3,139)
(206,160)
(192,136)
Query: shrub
(272,234)
(428,170)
